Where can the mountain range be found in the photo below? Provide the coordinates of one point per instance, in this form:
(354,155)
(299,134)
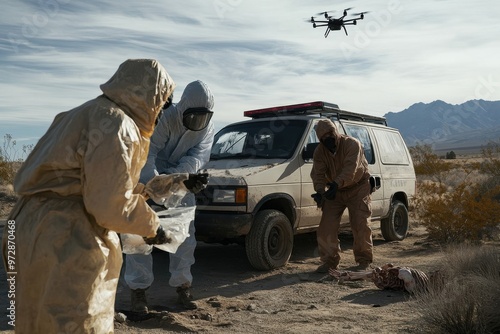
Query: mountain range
(461,127)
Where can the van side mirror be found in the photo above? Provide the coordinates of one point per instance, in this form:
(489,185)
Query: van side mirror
(308,151)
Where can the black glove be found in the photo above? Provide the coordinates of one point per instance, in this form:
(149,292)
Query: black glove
(154,206)
(318,198)
(196,182)
(159,239)
(332,191)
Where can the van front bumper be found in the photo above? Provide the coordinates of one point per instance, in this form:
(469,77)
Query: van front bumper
(216,226)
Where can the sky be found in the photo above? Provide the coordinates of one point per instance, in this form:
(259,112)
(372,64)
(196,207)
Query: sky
(54,54)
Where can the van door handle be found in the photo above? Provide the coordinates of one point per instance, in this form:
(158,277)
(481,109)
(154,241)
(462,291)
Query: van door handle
(375,182)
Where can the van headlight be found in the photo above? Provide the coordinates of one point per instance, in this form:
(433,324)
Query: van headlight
(235,196)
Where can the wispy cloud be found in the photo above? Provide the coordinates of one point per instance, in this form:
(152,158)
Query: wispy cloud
(253,54)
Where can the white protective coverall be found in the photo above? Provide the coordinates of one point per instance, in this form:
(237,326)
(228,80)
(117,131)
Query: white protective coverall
(175,149)
(77,188)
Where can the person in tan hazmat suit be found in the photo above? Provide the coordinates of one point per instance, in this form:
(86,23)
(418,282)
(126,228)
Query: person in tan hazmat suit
(78,188)
(341,180)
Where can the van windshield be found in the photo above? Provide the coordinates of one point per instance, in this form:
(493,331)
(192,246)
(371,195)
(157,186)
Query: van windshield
(272,139)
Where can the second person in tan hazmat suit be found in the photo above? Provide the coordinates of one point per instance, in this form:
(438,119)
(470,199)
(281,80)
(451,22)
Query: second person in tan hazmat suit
(341,180)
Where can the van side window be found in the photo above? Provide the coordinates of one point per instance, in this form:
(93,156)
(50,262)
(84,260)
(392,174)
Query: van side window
(391,146)
(361,134)
(312,137)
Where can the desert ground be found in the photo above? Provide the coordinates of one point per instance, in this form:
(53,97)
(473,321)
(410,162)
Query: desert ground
(232,297)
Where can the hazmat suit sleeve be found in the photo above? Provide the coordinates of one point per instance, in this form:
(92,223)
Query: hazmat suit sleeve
(352,160)
(194,159)
(109,183)
(318,171)
(197,156)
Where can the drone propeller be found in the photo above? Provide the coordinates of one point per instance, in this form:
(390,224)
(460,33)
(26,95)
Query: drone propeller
(362,14)
(325,12)
(345,11)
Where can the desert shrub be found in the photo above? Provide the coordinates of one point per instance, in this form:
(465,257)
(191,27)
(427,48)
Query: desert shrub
(464,295)
(491,160)
(456,202)
(6,170)
(10,158)
(451,155)
(463,213)
(428,164)
(490,166)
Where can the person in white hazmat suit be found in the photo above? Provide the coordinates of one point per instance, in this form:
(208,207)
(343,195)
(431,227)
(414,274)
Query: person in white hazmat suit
(78,188)
(181,143)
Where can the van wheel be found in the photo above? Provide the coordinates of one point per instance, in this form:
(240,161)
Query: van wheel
(395,226)
(270,240)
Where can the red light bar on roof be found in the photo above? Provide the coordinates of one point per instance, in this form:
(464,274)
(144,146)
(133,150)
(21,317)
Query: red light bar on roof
(302,108)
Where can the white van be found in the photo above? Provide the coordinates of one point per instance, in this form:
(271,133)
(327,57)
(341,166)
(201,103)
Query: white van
(259,192)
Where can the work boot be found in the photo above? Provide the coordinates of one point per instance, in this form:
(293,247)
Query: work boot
(185,298)
(322,269)
(138,301)
(363,265)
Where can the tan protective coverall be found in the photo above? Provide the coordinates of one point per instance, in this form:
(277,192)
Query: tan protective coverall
(76,191)
(349,169)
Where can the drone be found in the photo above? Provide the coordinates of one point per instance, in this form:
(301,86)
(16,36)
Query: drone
(336,23)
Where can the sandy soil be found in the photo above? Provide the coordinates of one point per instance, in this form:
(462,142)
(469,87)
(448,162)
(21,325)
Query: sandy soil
(234,298)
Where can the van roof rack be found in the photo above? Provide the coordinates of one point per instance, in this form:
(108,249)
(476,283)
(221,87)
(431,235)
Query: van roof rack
(320,108)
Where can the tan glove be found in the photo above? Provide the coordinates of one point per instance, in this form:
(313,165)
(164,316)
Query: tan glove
(161,187)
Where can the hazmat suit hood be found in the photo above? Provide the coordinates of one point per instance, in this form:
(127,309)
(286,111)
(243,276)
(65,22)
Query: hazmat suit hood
(325,126)
(130,88)
(195,95)
(346,167)
(174,148)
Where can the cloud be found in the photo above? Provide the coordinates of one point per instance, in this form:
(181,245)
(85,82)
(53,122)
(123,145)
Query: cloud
(253,54)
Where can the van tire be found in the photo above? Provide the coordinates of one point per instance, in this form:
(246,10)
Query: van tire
(269,243)
(395,226)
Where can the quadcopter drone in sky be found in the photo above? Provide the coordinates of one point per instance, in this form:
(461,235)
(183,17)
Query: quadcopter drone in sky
(336,23)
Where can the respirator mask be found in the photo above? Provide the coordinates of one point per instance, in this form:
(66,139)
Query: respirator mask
(329,142)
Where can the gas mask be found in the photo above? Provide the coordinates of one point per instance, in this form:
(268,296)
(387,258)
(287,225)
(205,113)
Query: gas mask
(196,119)
(329,142)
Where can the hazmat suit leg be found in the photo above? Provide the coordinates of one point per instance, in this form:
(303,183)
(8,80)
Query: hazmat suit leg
(138,271)
(67,269)
(182,260)
(359,214)
(327,232)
